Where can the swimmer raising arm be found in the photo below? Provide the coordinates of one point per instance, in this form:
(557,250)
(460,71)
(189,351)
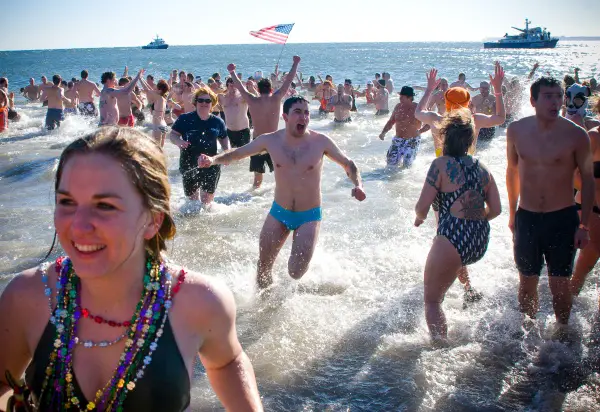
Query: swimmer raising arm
(421,112)
(484,121)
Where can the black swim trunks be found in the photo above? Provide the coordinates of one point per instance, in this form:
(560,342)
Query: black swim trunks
(203,179)
(88,109)
(346,120)
(238,138)
(257,163)
(545,235)
(53,118)
(487,133)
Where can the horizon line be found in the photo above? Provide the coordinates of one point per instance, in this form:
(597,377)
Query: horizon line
(588,38)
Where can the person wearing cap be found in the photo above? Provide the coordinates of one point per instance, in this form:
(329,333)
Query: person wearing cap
(405,145)
(459,97)
(341,104)
(381,99)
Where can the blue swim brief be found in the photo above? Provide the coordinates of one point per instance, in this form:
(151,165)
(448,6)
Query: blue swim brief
(293,220)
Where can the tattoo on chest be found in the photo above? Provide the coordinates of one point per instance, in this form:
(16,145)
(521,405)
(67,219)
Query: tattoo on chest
(472,206)
(455,173)
(432,175)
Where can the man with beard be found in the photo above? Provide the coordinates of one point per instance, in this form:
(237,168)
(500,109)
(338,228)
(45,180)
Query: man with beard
(298,156)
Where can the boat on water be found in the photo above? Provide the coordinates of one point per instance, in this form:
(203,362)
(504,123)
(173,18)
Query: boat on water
(157,43)
(529,38)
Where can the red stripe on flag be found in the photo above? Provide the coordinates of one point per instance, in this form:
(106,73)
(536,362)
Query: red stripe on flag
(269,36)
(265,36)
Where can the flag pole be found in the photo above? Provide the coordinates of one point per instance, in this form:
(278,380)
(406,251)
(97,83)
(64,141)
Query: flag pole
(280,54)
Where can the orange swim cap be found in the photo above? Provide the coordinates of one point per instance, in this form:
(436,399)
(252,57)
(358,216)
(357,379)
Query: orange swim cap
(457,98)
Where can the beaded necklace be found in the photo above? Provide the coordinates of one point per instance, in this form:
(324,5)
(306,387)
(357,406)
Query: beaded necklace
(147,324)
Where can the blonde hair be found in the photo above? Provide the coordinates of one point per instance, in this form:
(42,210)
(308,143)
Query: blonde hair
(209,92)
(143,161)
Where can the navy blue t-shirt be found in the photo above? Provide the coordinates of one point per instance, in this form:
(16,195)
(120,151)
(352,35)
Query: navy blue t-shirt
(202,134)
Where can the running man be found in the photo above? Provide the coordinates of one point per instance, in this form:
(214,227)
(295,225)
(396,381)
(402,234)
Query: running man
(55,95)
(543,153)
(298,155)
(405,144)
(87,90)
(236,113)
(265,110)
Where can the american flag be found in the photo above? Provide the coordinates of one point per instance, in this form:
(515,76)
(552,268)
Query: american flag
(276,34)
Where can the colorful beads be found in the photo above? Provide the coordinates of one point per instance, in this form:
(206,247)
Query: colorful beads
(143,331)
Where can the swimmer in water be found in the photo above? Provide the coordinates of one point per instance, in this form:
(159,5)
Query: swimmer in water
(298,156)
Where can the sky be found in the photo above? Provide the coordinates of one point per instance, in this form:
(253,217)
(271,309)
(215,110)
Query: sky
(62,24)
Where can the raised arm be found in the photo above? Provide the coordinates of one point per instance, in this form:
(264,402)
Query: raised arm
(238,84)
(421,112)
(333,152)
(533,69)
(125,72)
(431,187)
(497,119)
(130,86)
(289,78)
(513,183)
(256,146)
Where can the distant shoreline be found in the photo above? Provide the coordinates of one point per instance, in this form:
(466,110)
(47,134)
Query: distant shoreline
(564,38)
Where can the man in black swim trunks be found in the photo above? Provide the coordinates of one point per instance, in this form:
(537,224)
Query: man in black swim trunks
(197,133)
(236,115)
(543,153)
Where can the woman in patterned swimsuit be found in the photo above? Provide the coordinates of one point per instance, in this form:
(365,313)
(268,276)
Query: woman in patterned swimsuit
(462,187)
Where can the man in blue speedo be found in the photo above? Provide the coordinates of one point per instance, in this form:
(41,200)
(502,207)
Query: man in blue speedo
(297,154)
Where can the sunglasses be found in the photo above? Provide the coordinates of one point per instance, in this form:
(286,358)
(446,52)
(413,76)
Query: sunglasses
(203,101)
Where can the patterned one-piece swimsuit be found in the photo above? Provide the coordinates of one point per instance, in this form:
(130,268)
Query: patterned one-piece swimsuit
(470,237)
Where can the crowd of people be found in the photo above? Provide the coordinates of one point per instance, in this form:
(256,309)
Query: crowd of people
(113,217)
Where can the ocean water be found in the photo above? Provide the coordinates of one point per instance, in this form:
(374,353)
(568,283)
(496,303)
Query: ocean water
(351,335)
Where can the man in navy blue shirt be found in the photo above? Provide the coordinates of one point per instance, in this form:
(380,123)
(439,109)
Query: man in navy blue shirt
(197,133)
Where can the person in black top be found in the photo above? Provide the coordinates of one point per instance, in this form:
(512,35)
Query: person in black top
(197,133)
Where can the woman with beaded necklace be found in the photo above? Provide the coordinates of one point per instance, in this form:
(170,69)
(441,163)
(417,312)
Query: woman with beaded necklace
(113,326)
